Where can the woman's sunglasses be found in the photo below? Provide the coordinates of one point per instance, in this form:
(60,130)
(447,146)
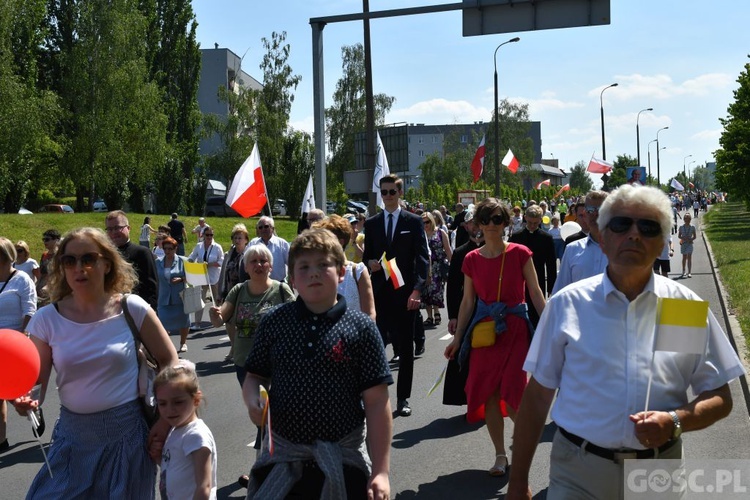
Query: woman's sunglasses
(496,219)
(87,260)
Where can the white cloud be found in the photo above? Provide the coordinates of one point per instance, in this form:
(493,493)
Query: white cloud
(660,86)
(707,135)
(307,124)
(439,110)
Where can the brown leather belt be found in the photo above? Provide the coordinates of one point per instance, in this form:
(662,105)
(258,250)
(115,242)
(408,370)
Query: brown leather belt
(616,455)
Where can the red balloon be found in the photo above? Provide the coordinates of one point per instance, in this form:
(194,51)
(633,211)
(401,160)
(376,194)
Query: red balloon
(19,364)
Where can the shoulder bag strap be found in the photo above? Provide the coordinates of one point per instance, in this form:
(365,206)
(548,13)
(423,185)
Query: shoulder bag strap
(500,281)
(134,330)
(8,281)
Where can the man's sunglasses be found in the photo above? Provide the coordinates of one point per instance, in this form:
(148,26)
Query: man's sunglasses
(20,250)
(495,219)
(265,226)
(87,260)
(385,192)
(647,227)
(591,209)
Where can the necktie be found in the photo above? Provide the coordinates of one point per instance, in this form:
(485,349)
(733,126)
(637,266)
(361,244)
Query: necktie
(390,229)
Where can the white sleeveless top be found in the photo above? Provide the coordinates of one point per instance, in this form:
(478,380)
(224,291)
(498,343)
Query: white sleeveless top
(348,287)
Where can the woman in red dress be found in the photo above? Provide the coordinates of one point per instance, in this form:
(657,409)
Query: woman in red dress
(496,378)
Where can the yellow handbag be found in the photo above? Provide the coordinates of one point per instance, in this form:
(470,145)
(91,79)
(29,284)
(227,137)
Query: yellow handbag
(483,334)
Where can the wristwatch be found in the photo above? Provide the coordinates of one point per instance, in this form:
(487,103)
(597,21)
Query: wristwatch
(677,430)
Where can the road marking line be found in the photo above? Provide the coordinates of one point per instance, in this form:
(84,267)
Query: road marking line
(446,337)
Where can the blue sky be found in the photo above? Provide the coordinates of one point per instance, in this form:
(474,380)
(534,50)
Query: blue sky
(680,57)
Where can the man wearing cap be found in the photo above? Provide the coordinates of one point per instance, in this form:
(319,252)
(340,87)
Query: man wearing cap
(595,343)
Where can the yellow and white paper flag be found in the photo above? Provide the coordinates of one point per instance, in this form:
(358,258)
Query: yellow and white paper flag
(439,379)
(682,326)
(196,273)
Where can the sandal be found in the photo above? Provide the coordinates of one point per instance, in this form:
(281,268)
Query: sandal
(499,470)
(429,322)
(438,319)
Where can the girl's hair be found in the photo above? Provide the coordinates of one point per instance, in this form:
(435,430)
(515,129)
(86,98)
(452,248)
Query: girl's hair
(24,245)
(146,220)
(183,373)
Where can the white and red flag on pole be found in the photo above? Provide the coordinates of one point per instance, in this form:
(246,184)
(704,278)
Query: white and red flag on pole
(566,187)
(248,195)
(692,186)
(545,182)
(510,161)
(477,164)
(597,166)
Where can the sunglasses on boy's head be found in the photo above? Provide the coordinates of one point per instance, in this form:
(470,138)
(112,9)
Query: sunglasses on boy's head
(496,219)
(87,260)
(647,227)
(385,192)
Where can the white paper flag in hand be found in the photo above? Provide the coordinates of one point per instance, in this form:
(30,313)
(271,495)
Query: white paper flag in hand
(682,327)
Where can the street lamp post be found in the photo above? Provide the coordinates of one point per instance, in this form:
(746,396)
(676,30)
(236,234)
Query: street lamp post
(497,123)
(601,108)
(638,134)
(688,167)
(658,163)
(683,163)
(648,148)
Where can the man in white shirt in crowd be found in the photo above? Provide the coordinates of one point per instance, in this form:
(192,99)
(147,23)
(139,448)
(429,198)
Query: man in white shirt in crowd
(200,229)
(584,258)
(212,254)
(279,247)
(595,344)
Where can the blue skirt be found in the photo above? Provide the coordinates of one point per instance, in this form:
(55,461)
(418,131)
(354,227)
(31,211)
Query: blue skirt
(98,455)
(173,317)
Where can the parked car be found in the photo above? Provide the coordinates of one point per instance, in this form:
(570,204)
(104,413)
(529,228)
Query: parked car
(24,211)
(354,207)
(331,207)
(56,208)
(100,206)
(216,206)
(279,207)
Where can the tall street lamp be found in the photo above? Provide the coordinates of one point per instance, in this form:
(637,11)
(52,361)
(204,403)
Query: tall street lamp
(638,133)
(497,123)
(658,163)
(648,148)
(688,167)
(601,107)
(683,163)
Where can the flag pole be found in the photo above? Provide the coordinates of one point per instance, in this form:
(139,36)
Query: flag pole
(208,281)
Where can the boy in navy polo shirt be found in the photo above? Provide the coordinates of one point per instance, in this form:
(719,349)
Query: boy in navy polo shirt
(328,377)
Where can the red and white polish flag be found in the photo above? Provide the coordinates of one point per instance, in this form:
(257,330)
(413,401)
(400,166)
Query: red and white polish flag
(597,166)
(477,164)
(510,161)
(545,182)
(248,195)
(566,187)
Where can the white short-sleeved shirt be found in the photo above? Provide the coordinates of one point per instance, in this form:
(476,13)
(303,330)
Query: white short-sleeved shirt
(27,267)
(582,259)
(596,347)
(213,254)
(177,469)
(95,362)
(279,248)
(17,300)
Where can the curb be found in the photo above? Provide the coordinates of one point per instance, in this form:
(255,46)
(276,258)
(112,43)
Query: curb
(733,326)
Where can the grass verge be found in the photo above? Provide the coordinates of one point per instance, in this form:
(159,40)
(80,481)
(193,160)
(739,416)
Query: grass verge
(728,231)
(30,227)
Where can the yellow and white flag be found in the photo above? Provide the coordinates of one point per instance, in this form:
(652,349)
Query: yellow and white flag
(196,273)
(682,326)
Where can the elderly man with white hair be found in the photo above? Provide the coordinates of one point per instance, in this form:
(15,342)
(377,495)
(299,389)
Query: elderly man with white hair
(278,247)
(596,343)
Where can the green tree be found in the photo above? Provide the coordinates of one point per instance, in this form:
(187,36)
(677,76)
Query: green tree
(274,103)
(114,125)
(514,125)
(346,116)
(617,177)
(703,179)
(174,58)
(580,179)
(27,115)
(733,158)
(298,159)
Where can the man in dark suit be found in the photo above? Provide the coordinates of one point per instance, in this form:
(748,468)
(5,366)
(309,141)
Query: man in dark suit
(400,235)
(543,248)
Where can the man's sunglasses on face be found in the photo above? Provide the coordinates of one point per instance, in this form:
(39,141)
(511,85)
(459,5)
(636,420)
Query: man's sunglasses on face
(386,192)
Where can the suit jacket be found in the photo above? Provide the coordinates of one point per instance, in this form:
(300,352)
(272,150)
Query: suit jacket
(409,247)
(145,267)
(169,293)
(545,261)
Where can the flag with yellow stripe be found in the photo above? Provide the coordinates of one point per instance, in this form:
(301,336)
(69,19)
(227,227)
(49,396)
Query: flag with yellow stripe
(682,326)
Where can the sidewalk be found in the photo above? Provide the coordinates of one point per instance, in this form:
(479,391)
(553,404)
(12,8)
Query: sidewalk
(728,438)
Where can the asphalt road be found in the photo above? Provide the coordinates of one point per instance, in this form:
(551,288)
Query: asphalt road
(435,453)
